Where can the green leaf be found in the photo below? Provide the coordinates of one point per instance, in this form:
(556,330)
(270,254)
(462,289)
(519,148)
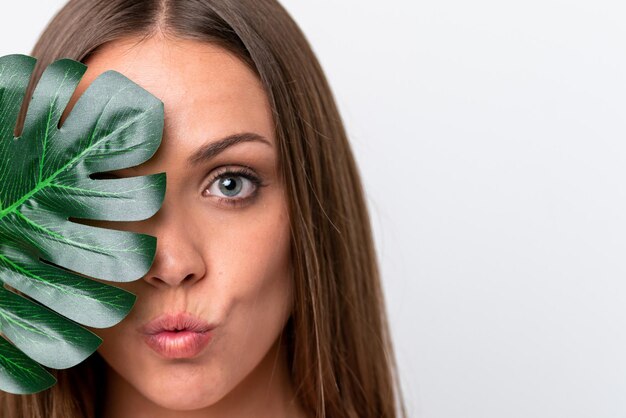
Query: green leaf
(44,181)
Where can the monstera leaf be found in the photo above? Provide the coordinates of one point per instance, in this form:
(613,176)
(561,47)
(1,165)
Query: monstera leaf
(45,179)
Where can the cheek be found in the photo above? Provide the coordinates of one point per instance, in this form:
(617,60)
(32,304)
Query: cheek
(257,273)
(255,288)
(251,258)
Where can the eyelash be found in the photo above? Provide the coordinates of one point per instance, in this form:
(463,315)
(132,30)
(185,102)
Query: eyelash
(244,172)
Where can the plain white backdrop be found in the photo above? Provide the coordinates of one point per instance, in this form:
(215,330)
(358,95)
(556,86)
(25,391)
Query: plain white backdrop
(491,137)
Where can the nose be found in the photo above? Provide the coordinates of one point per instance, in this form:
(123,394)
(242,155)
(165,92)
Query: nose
(178,259)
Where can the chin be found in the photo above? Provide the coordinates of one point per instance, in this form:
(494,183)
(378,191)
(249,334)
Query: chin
(178,387)
(183,396)
(182,403)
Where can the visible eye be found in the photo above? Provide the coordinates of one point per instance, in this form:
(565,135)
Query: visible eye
(234,187)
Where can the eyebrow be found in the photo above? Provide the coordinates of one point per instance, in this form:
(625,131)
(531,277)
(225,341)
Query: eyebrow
(210,150)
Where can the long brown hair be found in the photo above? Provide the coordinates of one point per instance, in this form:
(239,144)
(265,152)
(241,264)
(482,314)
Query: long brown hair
(340,353)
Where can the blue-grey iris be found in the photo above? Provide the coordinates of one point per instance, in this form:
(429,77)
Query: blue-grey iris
(229,186)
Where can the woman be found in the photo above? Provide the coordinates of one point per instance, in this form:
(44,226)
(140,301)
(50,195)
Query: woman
(264,241)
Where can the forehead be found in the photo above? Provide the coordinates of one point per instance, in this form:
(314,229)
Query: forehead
(207,92)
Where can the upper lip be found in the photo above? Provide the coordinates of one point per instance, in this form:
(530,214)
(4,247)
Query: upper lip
(176,322)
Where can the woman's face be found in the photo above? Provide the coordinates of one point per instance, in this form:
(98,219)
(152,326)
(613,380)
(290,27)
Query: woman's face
(222,243)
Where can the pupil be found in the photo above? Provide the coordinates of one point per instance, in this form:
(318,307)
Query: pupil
(230,187)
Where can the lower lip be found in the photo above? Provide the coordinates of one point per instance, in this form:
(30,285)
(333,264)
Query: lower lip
(182,344)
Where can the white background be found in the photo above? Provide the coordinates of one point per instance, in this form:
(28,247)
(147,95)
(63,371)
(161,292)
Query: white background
(491,139)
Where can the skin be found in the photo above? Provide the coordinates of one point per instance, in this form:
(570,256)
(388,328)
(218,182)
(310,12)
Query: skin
(229,265)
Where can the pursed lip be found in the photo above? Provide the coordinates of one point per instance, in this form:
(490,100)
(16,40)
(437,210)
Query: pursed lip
(182,321)
(181,335)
